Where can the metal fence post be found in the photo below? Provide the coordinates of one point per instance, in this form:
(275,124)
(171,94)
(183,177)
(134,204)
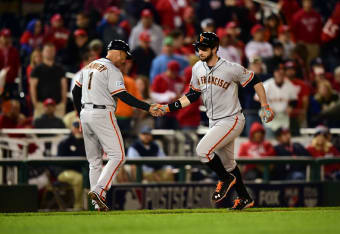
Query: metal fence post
(266,175)
(139,173)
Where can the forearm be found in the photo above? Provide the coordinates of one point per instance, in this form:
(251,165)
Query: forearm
(184,101)
(261,93)
(33,91)
(132,101)
(63,90)
(76,93)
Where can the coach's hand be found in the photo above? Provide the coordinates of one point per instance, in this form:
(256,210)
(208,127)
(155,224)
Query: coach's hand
(267,114)
(155,111)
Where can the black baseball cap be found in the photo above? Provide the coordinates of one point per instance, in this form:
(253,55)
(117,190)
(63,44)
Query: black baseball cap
(207,39)
(120,45)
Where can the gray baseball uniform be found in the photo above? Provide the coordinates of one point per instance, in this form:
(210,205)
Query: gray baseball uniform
(219,92)
(99,81)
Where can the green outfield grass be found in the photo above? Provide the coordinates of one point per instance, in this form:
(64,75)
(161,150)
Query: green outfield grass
(254,221)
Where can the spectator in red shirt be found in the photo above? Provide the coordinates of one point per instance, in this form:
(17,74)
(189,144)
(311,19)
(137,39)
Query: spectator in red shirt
(170,13)
(190,116)
(33,37)
(190,28)
(11,116)
(288,8)
(57,33)
(321,147)
(331,29)
(179,44)
(299,113)
(307,27)
(167,87)
(9,64)
(256,147)
(233,32)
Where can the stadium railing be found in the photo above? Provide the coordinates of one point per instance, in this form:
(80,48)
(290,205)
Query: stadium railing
(314,167)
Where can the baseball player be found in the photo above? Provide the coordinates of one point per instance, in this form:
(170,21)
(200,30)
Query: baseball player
(216,80)
(95,98)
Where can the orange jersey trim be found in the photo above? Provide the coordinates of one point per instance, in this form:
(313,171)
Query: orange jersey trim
(78,84)
(250,78)
(198,90)
(117,91)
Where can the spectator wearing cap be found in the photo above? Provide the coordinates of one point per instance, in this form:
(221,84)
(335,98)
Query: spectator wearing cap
(257,46)
(160,63)
(250,106)
(282,96)
(48,119)
(208,25)
(170,13)
(33,37)
(277,58)
(111,26)
(233,32)
(143,55)
(322,147)
(145,146)
(299,113)
(285,37)
(147,24)
(75,50)
(286,147)
(57,33)
(73,145)
(226,49)
(9,65)
(306,27)
(167,87)
(83,22)
(255,147)
(48,81)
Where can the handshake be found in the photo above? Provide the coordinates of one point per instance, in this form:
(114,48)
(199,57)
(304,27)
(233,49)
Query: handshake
(158,110)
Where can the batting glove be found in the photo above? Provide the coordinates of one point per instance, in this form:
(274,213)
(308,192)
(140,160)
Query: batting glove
(266,114)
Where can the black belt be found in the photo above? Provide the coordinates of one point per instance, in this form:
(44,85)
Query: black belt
(94,106)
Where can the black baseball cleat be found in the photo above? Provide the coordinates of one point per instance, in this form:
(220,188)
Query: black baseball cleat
(222,188)
(100,201)
(240,204)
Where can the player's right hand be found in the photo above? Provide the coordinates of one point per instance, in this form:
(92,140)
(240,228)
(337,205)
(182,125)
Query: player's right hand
(266,114)
(156,111)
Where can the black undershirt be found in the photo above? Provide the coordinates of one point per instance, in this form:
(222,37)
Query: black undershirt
(132,101)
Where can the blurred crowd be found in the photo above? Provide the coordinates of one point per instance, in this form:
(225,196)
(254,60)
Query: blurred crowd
(292,46)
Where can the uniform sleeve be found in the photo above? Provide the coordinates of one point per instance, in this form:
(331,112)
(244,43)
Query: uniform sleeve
(78,79)
(116,82)
(242,75)
(194,82)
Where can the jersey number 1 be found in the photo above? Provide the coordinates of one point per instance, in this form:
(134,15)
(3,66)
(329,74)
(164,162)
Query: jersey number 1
(91,75)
